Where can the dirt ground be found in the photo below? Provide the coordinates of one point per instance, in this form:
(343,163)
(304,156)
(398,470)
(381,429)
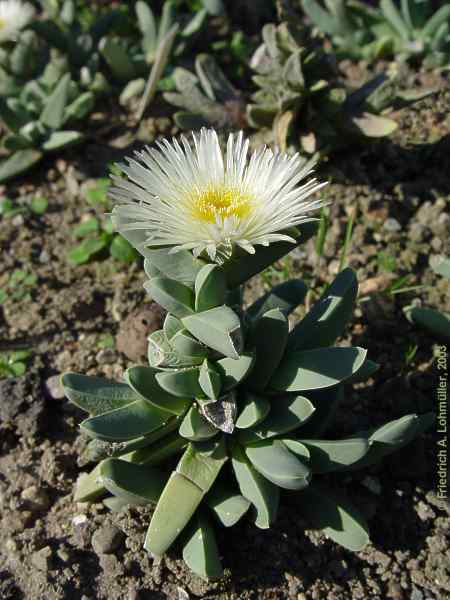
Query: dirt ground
(398,192)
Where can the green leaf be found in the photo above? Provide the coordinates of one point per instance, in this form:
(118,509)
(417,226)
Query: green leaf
(173,296)
(86,250)
(277,464)
(316,369)
(286,296)
(135,484)
(195,427)
(195,474)
(184,343)
(161,450)
(171,326)
(253,410)
(210,288)
(200,551)
(270,338)
(39,205)
(53,114)
(333,455)
(336,517)
(80,107)
(327,319)
(96,395)
(218,328)
(233,372)
(286,414)
(326,402)
(181,266)
(89,486)
(118,59)
(262,493)
(62,139)
(210,380)
(435,322)
(367,369)
(182,383)
(86,227)
(394,18)
(144,383)
(162,355)
(122,250)
(243,266)
(18,163)
(126,423)
(228,506)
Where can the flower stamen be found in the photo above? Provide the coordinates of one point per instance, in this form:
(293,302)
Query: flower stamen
(220,201)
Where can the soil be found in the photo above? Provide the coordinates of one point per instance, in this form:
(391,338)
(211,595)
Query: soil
(398,193)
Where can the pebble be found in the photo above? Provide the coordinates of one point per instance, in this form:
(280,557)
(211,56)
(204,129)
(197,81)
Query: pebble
(54,387)
(35,498)
(42,559)
(17,221)
(392,225)
(44,257)
(106,356)
(106,539)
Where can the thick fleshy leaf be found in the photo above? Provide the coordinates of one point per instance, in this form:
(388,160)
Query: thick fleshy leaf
(333,455)
(286,414)
(253,410)
(162,355)
(195,474)
(131,421)
(234,371)
(18,163)
(53,114)
(62,139)
(373,126)
(326,402)
(327,319)
(185,344)
(280,466)
(269,339)
(158,452)
(143,381)
(195,427)
(135,484)
(210,288)
(171,326)
(96,395)
(337,518)
(218,328)
(228,506)
(210,380)
(182,383)
(261,492)
(242,266)
(367,369)
(89,486)
(436,323)
(317,369)
(286,296)
(173,296)
(200,551)
(181,266)
(393,435)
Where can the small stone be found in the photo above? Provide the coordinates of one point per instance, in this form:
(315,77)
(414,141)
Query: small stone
(42,559)
(17,221)
(63,554)
(132,338)
(392,225)
(107,539)
(106,356)
(182,594)
(416,594)
(44,257)
(35,498)
(54,387)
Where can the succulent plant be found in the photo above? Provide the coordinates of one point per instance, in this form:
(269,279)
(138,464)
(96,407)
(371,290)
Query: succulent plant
(207,97)
(23,61)
(303,100)
(35,120)
(435,322)
(362,31)
(241,400)
(129,63)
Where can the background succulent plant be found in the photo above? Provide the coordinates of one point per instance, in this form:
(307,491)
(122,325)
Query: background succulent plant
(36,120)
(207,97)
(358,30)
(243,400)
(302,98)
(24,60)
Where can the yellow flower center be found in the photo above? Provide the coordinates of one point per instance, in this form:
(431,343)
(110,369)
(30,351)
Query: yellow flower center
(222,201)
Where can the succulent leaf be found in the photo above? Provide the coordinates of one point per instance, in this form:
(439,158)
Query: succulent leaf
(135,484)
(228,506)
(200,551)
(219,328)
(195,427)
(96,395)
(173,296)
(143,381)
(286,297)
(210,288)
(333,455)
(253,410)
(182,383)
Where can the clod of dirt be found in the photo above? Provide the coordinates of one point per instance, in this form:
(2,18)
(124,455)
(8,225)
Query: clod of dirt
(21,397)
(132,337)
(42,559)
(107,539)
(35,498)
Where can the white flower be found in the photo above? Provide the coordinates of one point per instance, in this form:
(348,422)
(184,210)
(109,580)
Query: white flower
(14,15)
(199,200)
